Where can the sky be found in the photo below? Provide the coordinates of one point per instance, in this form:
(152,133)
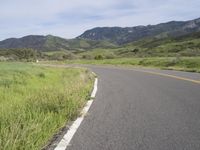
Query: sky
(70,18)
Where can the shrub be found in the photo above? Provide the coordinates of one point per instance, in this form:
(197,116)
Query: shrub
(87,57)
(98,57)
(110,56)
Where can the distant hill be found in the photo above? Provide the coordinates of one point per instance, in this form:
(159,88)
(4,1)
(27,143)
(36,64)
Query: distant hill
(185,45)
(120,35)
(105,37)
(52,43)
(43,43)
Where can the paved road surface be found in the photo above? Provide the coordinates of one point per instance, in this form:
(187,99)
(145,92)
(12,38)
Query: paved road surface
(135,110)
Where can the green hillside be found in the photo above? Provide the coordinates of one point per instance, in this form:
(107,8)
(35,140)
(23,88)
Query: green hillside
(187,45)
(165,39)
(52,43)
(126,35)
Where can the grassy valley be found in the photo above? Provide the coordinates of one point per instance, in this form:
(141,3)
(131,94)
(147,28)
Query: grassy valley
(181,53)
(162,40)
(37,101)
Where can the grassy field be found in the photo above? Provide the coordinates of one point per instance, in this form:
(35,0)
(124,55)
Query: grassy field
(191,64)
(35,102)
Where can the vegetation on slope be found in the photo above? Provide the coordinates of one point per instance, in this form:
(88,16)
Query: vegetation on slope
(129,34)
(187,45)
(158,45)
(52,43)
(19,54)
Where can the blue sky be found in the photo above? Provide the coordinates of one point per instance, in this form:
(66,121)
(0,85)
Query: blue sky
(69,18)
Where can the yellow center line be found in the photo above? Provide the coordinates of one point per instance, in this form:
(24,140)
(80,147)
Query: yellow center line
(171,76)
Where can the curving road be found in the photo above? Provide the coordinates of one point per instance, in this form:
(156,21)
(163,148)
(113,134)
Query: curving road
(136,109)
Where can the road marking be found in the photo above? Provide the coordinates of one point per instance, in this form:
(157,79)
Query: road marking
(62,145)
(156,73)
(95,89)
(171,76)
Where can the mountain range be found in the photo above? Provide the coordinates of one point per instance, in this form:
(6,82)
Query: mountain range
(51,43)
(120,35)
(104,37)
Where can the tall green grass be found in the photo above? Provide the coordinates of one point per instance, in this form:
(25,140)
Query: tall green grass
(35,102)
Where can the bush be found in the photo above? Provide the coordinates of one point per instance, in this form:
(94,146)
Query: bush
(41,75)
(24,54)
(2,58)
(87,57)
(136,50)
(98,57)
(69,56)
(110,56)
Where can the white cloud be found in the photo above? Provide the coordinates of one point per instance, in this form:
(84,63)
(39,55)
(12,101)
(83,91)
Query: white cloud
(69,18)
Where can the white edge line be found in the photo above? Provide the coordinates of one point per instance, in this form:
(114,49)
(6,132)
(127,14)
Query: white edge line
(95,89)
(62,145)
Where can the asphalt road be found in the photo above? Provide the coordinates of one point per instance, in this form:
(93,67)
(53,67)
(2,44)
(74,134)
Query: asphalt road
(136,110)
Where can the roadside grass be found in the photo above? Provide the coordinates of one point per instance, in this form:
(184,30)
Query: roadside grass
(191,64)
(35,102)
